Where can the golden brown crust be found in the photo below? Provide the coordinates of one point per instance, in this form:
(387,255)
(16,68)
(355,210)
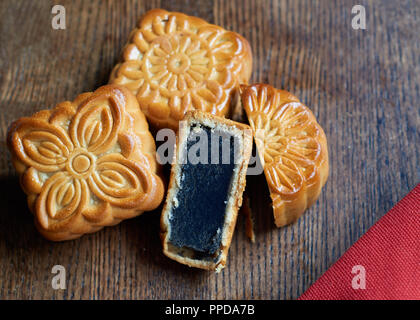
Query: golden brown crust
(236,197)
(86,164)
(292,148)
(174,63)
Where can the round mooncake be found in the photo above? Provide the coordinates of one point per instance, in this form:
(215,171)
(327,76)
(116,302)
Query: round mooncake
(174,63)
(292,147)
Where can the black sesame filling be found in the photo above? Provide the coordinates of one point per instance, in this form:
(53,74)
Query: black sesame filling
(198,217)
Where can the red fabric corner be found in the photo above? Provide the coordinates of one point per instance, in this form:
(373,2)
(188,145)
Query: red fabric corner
(389,252)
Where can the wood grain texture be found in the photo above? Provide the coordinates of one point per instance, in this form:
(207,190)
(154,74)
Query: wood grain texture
(362,85)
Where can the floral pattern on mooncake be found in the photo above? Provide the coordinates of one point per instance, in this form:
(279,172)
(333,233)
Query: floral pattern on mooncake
(175,63)
(292,148)
(86,164)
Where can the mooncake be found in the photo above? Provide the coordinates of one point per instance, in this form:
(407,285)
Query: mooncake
(204,194)
(174,63)
(292,148)
(86,164)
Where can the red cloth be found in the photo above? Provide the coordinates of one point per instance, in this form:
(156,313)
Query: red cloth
(390,255)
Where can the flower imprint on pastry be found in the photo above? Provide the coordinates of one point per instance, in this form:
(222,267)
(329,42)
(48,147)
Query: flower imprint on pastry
(291,144)
(175,63)
(78,163)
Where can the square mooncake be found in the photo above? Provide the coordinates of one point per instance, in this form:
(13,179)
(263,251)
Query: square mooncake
(86,164)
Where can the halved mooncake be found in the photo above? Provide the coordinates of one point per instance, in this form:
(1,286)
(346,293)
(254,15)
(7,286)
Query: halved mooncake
(205,190)
(292,147)
(174,63)
(86,164)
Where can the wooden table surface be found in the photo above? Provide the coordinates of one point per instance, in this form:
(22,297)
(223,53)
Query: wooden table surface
(362,85)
